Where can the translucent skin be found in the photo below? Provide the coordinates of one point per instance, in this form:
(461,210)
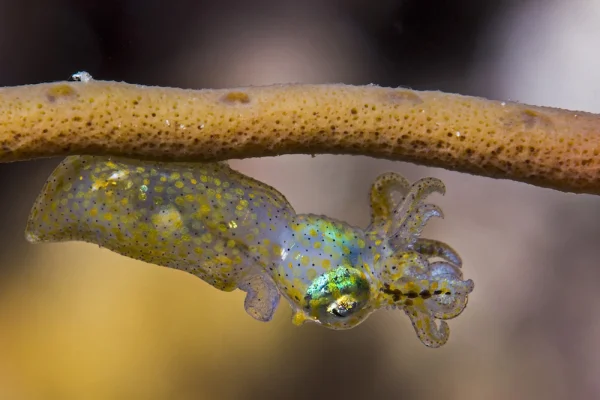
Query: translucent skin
(235,232)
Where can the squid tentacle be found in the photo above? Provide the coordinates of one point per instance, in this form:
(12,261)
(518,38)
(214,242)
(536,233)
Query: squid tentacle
(428,331)
(407,233)
(418,192)
(382,198)
(434,248)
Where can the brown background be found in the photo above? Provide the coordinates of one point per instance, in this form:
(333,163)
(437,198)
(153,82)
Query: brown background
(78,322)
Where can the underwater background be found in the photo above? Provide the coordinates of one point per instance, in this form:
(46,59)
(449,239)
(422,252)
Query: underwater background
(80,322)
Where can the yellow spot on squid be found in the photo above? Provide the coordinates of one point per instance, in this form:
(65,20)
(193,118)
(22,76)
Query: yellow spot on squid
(298,318)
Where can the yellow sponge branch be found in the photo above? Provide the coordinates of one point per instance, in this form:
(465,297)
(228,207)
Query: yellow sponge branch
(543,146)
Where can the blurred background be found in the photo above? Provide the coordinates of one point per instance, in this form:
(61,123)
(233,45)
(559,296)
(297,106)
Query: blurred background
(79,322)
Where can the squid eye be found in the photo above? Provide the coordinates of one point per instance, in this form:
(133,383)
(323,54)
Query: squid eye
(342,308)
(338,313)
(337,295)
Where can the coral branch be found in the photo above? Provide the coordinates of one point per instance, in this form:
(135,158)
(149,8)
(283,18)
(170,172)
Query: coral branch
(543,146)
